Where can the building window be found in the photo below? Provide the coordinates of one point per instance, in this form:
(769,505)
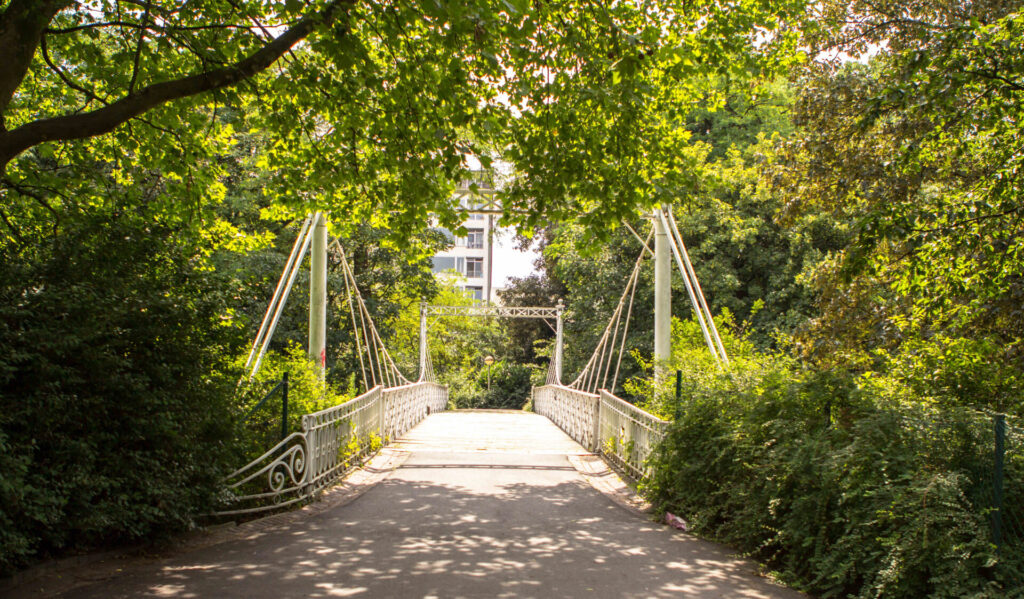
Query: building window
(474,268)
(443,263)
(476,293)
(475,239)
(476,216)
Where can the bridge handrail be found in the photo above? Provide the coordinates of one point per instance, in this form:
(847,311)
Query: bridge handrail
(603,423)
(628,434)
(407,405)
(332,442)
(574,411)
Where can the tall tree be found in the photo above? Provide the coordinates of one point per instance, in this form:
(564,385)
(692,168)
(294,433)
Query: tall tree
(919,153)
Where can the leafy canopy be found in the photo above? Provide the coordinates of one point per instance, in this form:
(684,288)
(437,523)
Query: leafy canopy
(372,107)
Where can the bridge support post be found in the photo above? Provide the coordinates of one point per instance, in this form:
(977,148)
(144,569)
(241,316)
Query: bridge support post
(318,294)
(558,341)
(423,340)
(662,300)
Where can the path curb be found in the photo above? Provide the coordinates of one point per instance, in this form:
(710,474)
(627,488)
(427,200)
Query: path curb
(606,480)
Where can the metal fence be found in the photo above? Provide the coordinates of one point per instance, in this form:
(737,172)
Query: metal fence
(574,411)
(628,435)
(1007,497)
(989,454)
(332,442)
(603,423)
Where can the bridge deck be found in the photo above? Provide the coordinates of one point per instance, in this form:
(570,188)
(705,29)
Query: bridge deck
(485,504)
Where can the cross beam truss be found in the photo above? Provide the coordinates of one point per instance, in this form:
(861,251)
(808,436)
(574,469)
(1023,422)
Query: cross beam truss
(500,311)
(555,368)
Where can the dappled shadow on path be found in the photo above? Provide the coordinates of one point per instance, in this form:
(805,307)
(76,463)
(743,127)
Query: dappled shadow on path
(438,529)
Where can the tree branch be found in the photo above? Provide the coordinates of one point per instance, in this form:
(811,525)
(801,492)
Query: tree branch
(12,229)
(992,74)
(147,26)
(38,198)
(31,194)
(106,119)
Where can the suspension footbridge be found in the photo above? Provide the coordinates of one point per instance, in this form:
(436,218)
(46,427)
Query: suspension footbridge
(333,440)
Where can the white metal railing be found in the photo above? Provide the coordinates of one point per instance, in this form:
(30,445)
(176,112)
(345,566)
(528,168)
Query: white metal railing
(493,310)
(603,423)
(405,406)
(332,442)
(574,411)
(628,435)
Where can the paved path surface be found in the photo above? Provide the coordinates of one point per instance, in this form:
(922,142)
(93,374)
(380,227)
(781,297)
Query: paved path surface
(485,504)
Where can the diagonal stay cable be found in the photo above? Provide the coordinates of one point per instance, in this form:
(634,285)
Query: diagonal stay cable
(631,287)
(385,361)
(586,377)
(367,341)
(352,313)
(288,266)
(696,284)
(625,329)
(660,215)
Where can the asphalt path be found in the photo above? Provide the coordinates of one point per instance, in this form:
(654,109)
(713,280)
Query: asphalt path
(483,504)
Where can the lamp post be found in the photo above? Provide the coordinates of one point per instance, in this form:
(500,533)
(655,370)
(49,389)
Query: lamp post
(488,360)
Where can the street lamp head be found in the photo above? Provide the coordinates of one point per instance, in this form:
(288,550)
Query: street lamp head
(488,360)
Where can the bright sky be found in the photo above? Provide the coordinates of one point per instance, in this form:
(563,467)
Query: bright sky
(508,261)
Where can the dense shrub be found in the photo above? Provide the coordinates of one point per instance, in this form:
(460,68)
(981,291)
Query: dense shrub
(836,484)
(510,386)
(114,387)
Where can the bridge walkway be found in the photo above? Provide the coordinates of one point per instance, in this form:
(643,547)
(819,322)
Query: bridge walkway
(478,504)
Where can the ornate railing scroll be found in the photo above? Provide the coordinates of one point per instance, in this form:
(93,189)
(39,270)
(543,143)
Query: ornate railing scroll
(574,411)
(332,442)
(275,479)
(628,435)
(603,423)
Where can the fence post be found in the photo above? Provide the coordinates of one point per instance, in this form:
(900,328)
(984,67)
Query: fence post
(997,479)
(284,405)
(679,393)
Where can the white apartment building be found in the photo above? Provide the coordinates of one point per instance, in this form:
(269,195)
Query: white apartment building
(472,256)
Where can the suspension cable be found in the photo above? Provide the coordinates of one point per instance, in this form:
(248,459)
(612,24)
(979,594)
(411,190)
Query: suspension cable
(696,284)
(277,290)
(284,299)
